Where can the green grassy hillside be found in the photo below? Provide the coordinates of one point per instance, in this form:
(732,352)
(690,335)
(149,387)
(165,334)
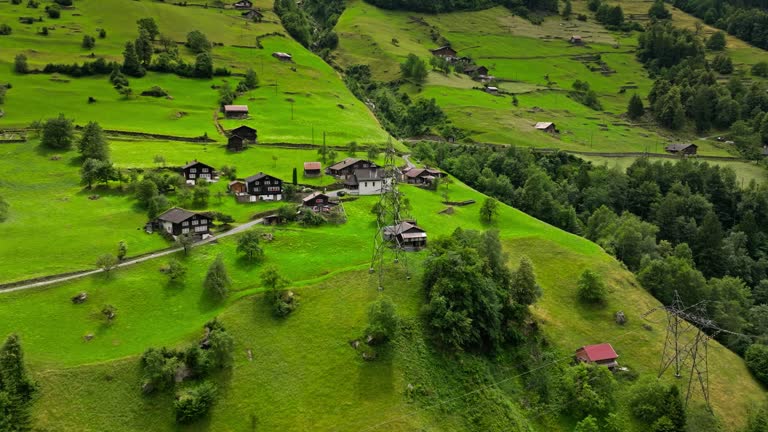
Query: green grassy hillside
(292,101)
(303,374)
(521,56)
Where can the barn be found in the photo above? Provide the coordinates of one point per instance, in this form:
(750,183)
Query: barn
(601,354)
(235,111)
(682,149)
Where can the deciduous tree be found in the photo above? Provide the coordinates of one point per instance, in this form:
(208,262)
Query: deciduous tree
(58,133)
(248,244)
(217,281)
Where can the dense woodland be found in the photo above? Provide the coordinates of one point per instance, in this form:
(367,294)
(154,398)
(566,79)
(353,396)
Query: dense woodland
(438,6)
(745,19)
(686,226)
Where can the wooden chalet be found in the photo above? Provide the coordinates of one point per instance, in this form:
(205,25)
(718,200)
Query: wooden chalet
(243,4)
(282,56)
(313,169)
(576,40)
(348,166)
(264,187)
(253,15)
(444,51)
(235,111)
(237,187)
(547,127)
(247,133)
(236,143)
(195,170)
(682,149)
(422,175)
(407,235)
(318,202)
(475,70)
(600,354)
(177,221)
(492,90)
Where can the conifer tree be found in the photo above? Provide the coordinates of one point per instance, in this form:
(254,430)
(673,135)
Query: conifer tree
(131,62)
(635,109)
(93,144)
(525,290)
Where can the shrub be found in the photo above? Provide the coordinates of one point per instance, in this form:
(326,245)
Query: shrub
(198,42)
(716,42)
(194,402)
(756,357)
(33,4)
(102,33)
(591,287)
(88,42)
(53,11)
(16,2)
(382,320)
(5,29)
(722,64)
(20,64)
(155,91)
(63,2)
(760,69)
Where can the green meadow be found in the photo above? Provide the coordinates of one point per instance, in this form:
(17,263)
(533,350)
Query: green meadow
(536,63)
(302,373)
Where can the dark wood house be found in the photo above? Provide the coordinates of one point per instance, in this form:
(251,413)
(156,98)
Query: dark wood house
(177,221)
(682,149)
(235,111)
(444,51)
(264,187)
(313,169)
(475,70)
(253,15)
(243,4)
(407,235)
(422,175)
(348,167)
(235,143)
(547,127)
(318,201)
(600,354)
(247,133)
(197,170)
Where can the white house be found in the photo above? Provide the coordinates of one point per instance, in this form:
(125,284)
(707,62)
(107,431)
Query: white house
(367,181)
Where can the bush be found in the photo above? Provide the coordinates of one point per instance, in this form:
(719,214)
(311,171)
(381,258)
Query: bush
(194,403)
(33,4)
(53,11)
(591,287)
(155,91)
(760,69)
(63,2)
(20,64)
(722,64)
(383,321)
(198,42)
(5,29)
(88,42)
(716,42)
(58,133)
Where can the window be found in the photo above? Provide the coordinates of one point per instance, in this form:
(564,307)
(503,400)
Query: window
(273,189)
(366,184)
(194,222)
(267,182)
(203,221)
(256,183)
(185,223)
(205,169)
(201,229)
(184,230)
(193,170)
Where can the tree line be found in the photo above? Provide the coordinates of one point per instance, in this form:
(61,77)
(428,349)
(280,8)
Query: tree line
(745,19)
(524,8)
(687,226)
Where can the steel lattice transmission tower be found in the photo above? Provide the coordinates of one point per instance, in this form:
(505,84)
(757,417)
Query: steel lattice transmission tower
(686,346)
(391,211)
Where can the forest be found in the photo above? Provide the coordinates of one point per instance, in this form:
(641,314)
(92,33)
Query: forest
(745,19)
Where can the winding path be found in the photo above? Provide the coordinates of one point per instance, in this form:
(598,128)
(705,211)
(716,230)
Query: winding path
(67,277)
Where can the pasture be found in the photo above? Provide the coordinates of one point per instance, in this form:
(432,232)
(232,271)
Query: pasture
(302,368)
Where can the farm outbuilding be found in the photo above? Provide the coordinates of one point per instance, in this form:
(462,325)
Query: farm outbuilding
(282,56)
(247,133)
(313,169)
(475,70)
(422,175)
(243,4)
(444,51)
(178,221)
(235,143)
(682,149)
(407,234)
(576,40)
(318,202)
(548,127)
(253,15)
(601,354)
(197,170)
(237,187)
(235,111)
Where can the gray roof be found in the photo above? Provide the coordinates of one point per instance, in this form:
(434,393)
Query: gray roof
(403,227)
(543,125)
(344,164)
(679,147)
(176,215)
(314,195)
(369,174)
(259,176)
(193,163)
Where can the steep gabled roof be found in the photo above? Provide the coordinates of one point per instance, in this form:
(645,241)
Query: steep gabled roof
(404,227)
(176,215)
(543,125)
(314,195)
(312,165)
(679,147)
(235,108)
(259,176)
(193,163)
(599,352)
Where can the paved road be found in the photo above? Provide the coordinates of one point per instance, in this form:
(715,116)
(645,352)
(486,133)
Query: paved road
(54,280)
(408,163)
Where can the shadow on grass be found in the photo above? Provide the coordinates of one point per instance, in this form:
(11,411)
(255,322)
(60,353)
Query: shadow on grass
(209,301)
(376,377)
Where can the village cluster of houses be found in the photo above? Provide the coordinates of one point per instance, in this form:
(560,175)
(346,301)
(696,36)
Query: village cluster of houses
(471,69)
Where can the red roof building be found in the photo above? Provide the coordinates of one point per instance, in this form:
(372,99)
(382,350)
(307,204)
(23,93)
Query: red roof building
(601,354)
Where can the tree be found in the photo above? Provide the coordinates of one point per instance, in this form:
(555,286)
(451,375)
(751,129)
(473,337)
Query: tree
(591,288)
(708,246)
(635,108)
(219,344)
(716,42)
(372,152)
(251,80)
(16,387)
(228,171)
(226,95)
(353,148)
(131,62)
(58,133)
(217,281)
(53,11)
(198,42)
(194,402)
(722,63)
(20,64)
(203,65)
(175,270)
(756,357)
(383,321)
(150,26)
(93,144)
(524,288)
(414,68)
(658,11)
(106,262)
(185,241)
(248,244)
(589,390)
(94,170)
(200,194)
(669,109)
(588,424)
(489,209)
(88,42)
(144,48)
(122,250)
(760,69)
